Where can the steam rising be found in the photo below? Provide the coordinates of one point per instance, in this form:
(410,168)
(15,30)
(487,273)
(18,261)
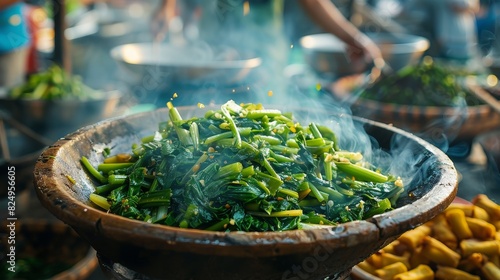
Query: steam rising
(187,74)
(443,131)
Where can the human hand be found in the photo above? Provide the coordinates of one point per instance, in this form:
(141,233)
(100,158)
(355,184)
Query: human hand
(364,51)
(464,6)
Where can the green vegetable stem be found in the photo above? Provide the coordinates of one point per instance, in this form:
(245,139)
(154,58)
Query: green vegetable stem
(241,168)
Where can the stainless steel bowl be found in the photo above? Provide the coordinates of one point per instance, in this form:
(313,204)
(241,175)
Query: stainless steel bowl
(326,54)
(169,63)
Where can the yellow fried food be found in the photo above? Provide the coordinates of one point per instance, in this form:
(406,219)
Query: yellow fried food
(394,247)
(439,253)
(421,272)
(487,204)
(490,271)
(388,258)
(367,266)
(450,273)
(389,271)
(414,237)
(471,246)
(471,211)
(494,259)
(417,258)
(481,229)
(456,219)
(443,232)
(473,262)
(376,259)
(463,242)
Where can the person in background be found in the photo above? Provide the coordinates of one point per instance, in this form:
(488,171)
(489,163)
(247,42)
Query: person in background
(14,42)
(449,25)
(419,18)
(360,47)
(485,25)
(233,29)
(456,29)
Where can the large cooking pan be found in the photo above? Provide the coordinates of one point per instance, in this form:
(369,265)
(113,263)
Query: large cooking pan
(194,63)
(326,54)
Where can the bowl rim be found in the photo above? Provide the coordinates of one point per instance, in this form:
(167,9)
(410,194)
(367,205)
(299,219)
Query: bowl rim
(421,110)
(417,43)
(49,188)
(82,269)
(250,63)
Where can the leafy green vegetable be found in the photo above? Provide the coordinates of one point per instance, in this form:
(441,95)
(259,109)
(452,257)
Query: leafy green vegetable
(54,84)
(425,84)
(243,168)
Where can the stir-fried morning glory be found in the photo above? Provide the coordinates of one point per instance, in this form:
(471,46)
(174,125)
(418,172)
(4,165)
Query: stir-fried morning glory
(241,168)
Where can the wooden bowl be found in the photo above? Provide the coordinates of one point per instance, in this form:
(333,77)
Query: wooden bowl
(430,121)
(159,251)
(51,248)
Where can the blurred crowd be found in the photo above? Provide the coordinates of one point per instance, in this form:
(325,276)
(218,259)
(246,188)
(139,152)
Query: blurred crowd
(460,30)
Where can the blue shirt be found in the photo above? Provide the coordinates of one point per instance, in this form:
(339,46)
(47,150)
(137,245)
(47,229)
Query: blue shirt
(13,28)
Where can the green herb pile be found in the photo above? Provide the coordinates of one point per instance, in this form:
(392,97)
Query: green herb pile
(53,84)
(241,168)
(425,84)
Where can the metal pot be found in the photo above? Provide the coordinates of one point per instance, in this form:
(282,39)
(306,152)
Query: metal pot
(194,63)
(326,54)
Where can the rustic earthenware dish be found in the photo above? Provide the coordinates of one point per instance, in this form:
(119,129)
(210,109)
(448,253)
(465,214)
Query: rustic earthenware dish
(157,251)
(51,248)
(456,123)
